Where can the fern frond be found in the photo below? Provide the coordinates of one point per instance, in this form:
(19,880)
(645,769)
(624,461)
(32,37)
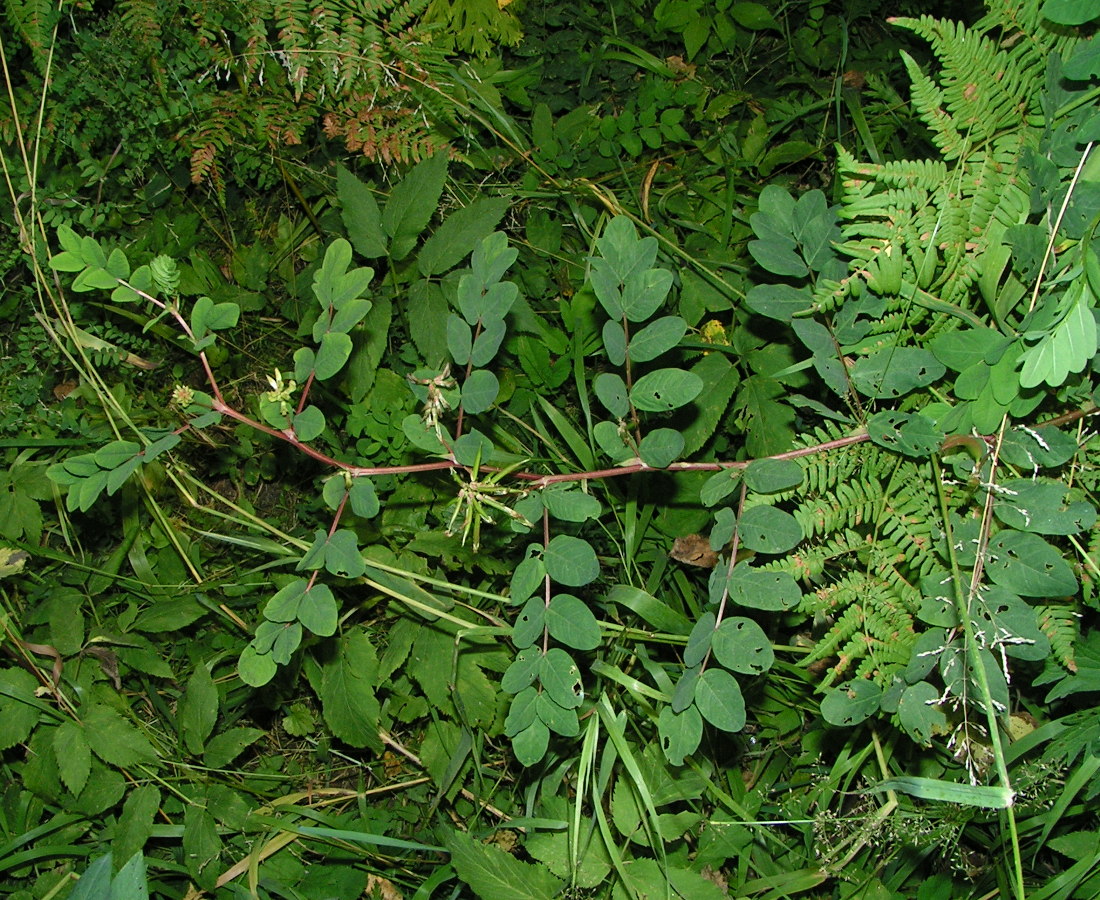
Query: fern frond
(1059,622)
(34,21)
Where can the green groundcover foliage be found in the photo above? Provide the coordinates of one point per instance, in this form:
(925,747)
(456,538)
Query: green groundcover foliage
(508,450)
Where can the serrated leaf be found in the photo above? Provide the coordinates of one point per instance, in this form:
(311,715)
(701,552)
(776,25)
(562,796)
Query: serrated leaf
(459,234)
(718,698)
(115,740)
(226,746)
(412,203)
(74,756)
(135,823)
(572,623)
(571,561)
(198,710)
(347,681)
(362,218)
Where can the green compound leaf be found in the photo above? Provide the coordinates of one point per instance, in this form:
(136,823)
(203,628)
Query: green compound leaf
(283,607)
(661,447)
(364,500)
(740,645)
(719,486)
(644,292)
(527,578)
(851,703)
(909,433)
(557,718)
(612,393)
(571,561)
(116,453)
(665,389)
(571,504)
(718,697)
(523,671)
(698,644)
(318,611)
(342,556)
(479,391)
(614,342)
(332,353)
(561,678)
(658,337)
(570,621)
(521,712)
(460,339)
(770,476)
(115,740)
(529,746)
(918,713)
(309,423)
(680,733)
(530,623)
(488,342)
(766,529)
(254,668)
(1027,565)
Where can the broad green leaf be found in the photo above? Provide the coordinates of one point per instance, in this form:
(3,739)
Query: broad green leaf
(754,16)
(283,607)
(333,352)
(658,337)
(530,623)
(1070,12)
(998,613)
(919,713)
(571,561)
(698,644)
(115,740)
(488,342)
(342,556)
(309,423)
(766,529)
(561,679)
(496,875)
(680,733)
(426,313)
(459,234)
(364,500)
(557,718)
(572,623)
(779,256)
(523,671)
(644,292)
(527,578)
(198,710)
(909,433)
(772,476)
(740,645)
(665,389)
(116,453)
(718,698)
(460,339)
(477,302)
(345,683)
(1065,349)
(719,486)
(778,301)
(490,260)
(1042,507)
(529,745)
(571,504)
(479,391)
(661,447)
(361,215)
(74,756)
(622,250)
(610,390)
(1027,565)
(683,695)
(412,203)
(851,703)
(614,342)
(254,668)
(318,611)
(226,746)
(473,448)
(895,371)
(522,711)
